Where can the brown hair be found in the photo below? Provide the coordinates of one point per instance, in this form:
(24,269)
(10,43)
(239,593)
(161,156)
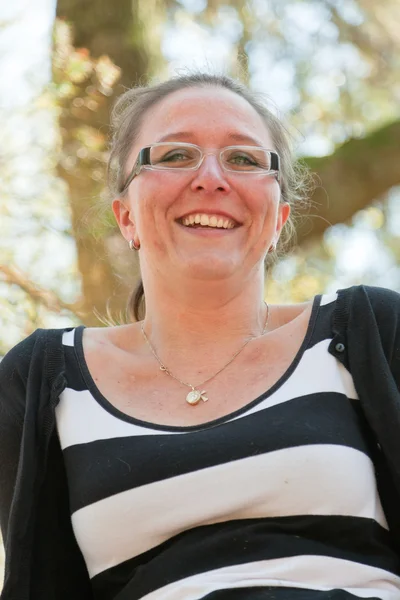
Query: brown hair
(127,118)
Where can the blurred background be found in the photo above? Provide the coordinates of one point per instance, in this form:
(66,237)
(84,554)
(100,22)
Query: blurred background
(329,67)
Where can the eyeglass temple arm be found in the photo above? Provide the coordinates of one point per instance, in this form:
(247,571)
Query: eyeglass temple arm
(275,165)
(274,161)
(142,159)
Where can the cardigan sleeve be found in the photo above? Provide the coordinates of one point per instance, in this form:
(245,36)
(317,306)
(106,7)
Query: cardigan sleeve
(395,354)
(43,559)
(14,369)
(386,305)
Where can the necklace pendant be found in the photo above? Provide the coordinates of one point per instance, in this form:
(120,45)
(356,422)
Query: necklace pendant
(195,396)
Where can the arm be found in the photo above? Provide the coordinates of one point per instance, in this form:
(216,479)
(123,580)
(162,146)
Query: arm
(384,415)
(386,305)
(395,349)
(44,560)
(14,370)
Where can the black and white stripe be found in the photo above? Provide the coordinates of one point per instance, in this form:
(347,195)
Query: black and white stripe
(280,495)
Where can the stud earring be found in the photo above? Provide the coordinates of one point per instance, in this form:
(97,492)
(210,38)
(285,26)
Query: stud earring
(133,246)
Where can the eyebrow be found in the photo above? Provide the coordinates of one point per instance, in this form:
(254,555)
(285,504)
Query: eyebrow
(235,137)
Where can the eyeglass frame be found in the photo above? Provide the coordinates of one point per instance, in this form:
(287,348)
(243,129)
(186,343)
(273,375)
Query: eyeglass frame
(143,160)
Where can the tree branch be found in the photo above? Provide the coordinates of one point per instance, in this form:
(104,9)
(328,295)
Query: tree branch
(357,173)
(48,298)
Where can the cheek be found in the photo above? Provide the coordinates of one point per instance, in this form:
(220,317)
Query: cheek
(148,199)
(161,188)
(263,201)
(152,199)
(156,205)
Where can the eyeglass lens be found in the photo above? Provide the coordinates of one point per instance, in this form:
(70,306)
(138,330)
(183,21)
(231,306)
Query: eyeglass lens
(235,158)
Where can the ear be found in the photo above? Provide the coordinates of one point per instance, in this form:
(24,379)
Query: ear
(283,215)
(124,217)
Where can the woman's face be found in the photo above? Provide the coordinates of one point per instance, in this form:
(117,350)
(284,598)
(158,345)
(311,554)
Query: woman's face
(157,201)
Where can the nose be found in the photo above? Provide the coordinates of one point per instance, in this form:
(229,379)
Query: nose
(210,176)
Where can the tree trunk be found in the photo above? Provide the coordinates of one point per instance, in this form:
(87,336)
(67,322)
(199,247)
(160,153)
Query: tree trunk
(121,31)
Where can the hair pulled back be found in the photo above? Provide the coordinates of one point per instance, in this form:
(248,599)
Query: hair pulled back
(127,118)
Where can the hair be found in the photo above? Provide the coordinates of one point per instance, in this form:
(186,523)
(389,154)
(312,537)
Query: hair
(127,118)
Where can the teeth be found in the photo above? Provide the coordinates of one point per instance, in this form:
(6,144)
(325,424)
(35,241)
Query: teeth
(208,221)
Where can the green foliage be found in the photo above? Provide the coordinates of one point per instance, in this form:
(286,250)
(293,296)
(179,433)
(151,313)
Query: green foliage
(332,66)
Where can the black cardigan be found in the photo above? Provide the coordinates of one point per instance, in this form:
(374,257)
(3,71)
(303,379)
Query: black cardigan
(43,561)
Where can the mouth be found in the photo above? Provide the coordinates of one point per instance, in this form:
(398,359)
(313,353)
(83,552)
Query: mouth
(208,222)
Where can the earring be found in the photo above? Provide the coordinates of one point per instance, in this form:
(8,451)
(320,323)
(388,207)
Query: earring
(133,246)
(272,249)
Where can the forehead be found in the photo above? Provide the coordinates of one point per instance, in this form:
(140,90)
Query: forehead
(205,116)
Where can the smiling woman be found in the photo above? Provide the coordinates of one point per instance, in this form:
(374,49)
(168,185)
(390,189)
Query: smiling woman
(136,104)
(217,449)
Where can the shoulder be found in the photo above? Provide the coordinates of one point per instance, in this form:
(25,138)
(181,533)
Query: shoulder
(17,359)
(36,359)
(20,356)
(384,302)
(122,337)
(386,306)
(382,298)
(28,358)
(14,372)
(374,314)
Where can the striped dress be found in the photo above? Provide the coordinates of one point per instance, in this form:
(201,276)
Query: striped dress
(276,501)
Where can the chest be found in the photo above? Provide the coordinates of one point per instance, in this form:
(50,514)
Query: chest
(141,390)
(302,456)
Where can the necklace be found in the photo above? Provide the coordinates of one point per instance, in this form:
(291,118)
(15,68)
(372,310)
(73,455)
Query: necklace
(195,395)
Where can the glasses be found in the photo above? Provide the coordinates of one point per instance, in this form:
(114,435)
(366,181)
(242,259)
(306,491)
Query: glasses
(174,156)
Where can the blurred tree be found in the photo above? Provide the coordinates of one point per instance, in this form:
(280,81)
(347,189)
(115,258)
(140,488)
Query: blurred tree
(339,58)
(116,46)
(342,59)
(358,172)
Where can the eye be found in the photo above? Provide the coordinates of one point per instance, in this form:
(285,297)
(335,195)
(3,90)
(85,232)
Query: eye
(241,158)
(174,157)
(246,159)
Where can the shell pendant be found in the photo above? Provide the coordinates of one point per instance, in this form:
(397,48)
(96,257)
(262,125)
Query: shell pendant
(195,396)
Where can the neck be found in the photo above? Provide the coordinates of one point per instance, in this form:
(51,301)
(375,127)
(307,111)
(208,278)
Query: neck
(204,321)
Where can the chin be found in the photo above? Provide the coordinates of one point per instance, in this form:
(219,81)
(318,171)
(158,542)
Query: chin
(210,270)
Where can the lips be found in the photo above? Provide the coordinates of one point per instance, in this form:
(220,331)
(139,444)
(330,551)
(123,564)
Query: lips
(208,220)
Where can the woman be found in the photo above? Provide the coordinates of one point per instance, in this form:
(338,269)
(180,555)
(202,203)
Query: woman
(216,448)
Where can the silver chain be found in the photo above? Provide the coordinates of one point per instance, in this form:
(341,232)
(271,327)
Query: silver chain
(166,370)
